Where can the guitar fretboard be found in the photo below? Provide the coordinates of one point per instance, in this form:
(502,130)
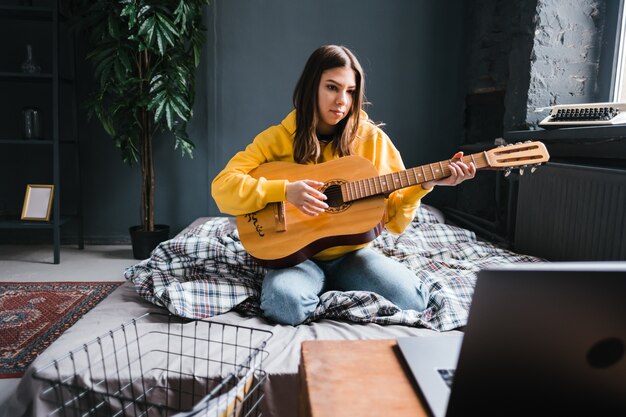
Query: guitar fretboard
(386,184)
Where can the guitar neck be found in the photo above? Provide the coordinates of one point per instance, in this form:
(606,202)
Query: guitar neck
(388,183)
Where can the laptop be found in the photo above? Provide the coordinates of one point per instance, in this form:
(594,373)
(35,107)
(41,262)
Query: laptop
(541,339)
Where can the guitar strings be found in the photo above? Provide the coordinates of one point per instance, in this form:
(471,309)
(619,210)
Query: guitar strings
(355,187)
(334,196)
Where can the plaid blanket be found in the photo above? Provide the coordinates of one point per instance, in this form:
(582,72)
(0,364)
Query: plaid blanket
(206,272)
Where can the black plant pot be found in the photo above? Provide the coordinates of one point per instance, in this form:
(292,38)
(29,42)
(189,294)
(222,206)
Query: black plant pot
(144,242)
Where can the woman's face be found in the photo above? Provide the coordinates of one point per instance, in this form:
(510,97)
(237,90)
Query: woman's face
(334,97)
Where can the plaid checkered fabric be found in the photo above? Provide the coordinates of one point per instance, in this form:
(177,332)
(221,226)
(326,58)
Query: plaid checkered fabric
(207,272)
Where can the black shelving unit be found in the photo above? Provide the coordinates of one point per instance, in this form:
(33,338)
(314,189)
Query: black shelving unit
(51,77)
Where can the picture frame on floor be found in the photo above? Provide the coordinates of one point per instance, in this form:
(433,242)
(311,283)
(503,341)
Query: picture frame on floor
(38,202)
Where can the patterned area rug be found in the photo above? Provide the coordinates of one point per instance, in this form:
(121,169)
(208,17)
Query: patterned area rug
(33,315)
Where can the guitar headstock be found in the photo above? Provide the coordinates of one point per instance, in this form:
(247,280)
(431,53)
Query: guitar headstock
(517,155)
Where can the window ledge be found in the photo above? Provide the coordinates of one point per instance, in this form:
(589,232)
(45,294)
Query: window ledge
(579,134)
(599,145)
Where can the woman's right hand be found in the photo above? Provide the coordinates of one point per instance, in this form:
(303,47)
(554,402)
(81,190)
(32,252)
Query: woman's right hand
(305,196)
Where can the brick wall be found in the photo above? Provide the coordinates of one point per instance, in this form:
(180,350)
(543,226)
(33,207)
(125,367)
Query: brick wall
(521,56)
(564,63)
(530,54)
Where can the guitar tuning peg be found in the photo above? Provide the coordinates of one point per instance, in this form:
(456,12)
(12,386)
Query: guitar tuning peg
(521,171)
(533,169)
(507,172)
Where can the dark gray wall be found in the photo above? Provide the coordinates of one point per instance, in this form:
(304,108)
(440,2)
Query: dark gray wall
(412,54)
(426,63)
(112,189)
(499,39)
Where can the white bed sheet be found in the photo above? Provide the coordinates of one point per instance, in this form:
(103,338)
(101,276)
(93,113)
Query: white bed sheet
(124,304)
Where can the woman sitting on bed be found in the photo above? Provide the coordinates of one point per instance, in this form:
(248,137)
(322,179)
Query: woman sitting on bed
(328,123)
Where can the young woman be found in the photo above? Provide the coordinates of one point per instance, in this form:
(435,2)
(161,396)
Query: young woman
(328,122)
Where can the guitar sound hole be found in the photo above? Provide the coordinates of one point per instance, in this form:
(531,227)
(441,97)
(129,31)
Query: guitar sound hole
(333,195)
(334,199)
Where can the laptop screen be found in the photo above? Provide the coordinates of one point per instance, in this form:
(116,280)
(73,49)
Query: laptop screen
(541,339)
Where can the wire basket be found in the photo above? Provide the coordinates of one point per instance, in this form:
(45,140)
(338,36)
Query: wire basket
(161,365)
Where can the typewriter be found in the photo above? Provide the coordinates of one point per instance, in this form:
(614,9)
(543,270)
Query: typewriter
(592,114)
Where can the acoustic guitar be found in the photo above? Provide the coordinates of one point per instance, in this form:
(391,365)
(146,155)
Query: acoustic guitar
(280,235)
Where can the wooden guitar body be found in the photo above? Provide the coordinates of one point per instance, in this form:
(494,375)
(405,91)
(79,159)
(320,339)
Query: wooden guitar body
(278,238)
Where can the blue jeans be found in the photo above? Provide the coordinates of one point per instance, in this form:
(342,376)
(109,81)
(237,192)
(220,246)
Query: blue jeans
(290,295)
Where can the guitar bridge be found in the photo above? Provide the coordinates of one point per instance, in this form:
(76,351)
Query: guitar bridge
(279,217)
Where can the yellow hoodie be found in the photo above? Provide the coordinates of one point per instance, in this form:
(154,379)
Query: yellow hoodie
(237,193)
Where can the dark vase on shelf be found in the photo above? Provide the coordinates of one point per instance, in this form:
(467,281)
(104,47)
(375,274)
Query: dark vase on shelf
(31,123)
(30,66)
(144,242)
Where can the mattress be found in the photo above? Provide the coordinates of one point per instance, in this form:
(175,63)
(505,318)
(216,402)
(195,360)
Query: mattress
(280,364)
(207,259)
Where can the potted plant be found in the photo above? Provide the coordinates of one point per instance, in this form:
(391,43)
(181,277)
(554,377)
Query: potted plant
(144,54)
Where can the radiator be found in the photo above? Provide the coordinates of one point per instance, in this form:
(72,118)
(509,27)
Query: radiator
(572,213)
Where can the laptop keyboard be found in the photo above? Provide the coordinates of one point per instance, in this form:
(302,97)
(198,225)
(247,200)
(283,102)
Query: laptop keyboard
(447,375)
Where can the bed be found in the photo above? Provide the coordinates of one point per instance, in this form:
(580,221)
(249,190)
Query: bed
(204,272)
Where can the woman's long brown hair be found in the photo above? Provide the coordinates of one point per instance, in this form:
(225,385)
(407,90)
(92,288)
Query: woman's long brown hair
(306,144)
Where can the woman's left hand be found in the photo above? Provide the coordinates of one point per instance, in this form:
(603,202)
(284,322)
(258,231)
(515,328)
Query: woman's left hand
(459,172)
